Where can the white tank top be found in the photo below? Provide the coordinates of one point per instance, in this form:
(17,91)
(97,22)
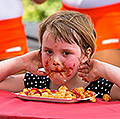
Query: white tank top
(10,9)
(83,4)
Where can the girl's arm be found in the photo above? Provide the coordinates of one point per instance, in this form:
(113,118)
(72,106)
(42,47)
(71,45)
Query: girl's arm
(11,66)
(28,62)
(100,69)
(13,83)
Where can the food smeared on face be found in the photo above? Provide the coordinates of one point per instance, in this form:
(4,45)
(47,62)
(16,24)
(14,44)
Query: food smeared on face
(60,59)
(60,73)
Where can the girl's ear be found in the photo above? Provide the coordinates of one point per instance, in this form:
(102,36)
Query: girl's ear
(86,57)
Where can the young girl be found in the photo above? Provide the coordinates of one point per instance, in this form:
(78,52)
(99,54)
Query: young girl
(67,43)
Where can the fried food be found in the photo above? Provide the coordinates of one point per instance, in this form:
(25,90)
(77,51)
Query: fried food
(62,93)
(106,97)
(93,99)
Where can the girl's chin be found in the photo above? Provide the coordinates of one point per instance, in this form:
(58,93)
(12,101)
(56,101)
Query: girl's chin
(58,78)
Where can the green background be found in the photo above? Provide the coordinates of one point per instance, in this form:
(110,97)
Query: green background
(37,12)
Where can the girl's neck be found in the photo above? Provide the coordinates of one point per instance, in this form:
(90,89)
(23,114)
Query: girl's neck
(75,82)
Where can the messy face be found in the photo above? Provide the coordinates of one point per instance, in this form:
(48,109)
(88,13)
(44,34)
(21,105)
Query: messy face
(60,59)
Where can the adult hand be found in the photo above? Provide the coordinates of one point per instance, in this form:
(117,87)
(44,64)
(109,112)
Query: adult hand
(89,72)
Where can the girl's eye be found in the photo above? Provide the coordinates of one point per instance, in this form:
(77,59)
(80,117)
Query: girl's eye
(66,53)
(49,51)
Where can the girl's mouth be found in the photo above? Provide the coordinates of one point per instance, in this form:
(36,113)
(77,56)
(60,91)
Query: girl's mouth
(57,71)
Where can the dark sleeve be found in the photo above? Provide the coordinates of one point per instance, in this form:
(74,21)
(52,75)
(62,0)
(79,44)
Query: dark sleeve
(35,81)
(100,86)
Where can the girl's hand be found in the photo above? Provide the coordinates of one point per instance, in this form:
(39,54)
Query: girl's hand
(89,72)
(32,62)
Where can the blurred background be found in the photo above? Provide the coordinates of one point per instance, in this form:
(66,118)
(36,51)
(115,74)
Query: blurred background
(33,14)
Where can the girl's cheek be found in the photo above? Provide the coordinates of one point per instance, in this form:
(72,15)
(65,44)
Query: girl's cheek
(71,63)
(46,61)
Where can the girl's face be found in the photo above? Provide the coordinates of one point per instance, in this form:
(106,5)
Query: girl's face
(60,59)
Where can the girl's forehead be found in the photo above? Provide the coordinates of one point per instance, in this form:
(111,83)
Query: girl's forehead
(60,45)
(49,37)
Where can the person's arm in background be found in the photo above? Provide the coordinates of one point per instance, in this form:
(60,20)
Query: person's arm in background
(39,1)
(28,62)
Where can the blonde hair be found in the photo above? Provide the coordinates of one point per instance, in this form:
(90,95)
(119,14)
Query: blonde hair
(67,24)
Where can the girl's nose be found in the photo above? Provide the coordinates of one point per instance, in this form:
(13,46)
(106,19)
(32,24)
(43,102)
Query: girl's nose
(56,62)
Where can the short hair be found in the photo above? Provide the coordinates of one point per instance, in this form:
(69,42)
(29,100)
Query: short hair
(67,24)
